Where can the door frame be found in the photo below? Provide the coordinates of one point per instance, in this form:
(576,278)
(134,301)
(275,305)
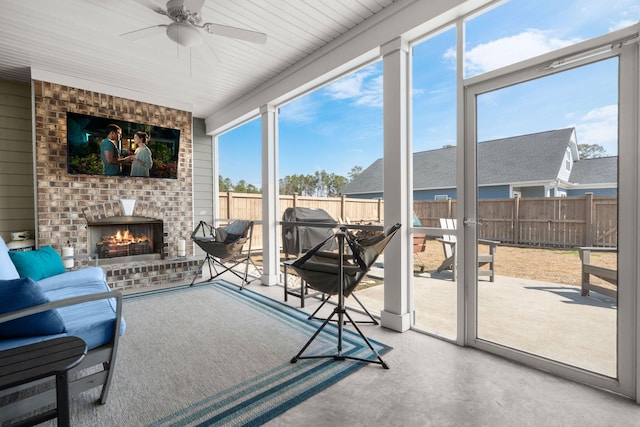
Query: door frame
(624,45)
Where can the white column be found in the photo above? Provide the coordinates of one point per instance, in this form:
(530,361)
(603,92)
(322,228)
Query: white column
(397,168)
(270,195)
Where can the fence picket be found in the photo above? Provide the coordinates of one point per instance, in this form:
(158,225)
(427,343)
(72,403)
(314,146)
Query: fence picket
(546,221)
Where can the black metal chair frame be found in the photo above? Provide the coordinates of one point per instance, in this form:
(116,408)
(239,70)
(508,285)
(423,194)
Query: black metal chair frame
(215,262)
(325,299)
(340,309)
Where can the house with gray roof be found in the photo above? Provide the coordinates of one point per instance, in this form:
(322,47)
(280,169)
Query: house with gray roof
(543,164)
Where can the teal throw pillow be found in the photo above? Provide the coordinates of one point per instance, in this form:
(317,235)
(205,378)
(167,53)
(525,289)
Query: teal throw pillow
(39,264)
(21,293)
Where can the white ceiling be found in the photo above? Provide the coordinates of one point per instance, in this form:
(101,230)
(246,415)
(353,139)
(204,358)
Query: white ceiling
(81,39)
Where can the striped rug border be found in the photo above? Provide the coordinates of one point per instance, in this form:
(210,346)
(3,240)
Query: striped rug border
(265,396)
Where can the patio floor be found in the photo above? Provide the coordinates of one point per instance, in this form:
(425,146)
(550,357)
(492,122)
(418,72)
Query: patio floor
(546,319)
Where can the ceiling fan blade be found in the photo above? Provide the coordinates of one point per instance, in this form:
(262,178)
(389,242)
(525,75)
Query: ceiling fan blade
(236,33)
(144,32)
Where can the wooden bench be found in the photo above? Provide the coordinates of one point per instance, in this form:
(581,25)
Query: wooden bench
(607,274)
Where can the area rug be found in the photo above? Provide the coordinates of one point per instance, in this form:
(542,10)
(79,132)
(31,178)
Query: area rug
(215,355)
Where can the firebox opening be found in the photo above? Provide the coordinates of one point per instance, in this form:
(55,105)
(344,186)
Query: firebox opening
(131,237)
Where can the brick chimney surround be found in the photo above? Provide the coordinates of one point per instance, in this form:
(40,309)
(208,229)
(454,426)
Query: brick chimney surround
(65,203)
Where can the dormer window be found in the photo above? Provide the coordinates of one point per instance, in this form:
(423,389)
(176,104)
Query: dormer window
(567,165)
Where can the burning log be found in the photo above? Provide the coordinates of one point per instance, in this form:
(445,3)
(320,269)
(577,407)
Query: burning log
(124,243)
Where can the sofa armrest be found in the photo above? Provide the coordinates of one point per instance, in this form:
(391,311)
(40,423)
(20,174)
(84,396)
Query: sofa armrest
(74,278)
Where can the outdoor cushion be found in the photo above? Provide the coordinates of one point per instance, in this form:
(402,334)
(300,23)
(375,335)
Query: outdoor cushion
(38,264)
(21,293)
(7,268)
(92,321)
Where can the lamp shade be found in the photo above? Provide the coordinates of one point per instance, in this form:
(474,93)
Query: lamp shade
(184,34)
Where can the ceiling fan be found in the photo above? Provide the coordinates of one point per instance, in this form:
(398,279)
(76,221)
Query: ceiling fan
(186,28)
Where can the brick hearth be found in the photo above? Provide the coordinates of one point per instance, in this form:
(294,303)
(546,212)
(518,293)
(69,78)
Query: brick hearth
(64,200)
(149,273)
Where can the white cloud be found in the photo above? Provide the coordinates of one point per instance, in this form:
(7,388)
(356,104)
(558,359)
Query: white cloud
(363,87)
(509,50)
(599,126)
(301,110)
(622,24)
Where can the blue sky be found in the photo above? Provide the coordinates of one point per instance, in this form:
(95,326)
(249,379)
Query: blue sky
(339,126)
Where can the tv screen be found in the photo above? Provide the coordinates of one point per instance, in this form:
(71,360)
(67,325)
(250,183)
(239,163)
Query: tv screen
(86,133)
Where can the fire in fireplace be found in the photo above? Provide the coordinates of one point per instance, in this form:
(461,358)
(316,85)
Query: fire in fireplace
(126,236)
(124,243)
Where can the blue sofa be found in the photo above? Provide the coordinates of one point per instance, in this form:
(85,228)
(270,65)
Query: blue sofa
(40,300)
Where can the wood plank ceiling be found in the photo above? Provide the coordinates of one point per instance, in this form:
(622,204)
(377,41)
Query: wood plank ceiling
(82,39)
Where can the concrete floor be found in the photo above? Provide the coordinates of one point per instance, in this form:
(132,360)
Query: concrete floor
(432,382)
(551,320)
(435,383)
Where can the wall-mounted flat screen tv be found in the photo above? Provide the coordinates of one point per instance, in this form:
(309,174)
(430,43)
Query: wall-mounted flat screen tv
(86,133)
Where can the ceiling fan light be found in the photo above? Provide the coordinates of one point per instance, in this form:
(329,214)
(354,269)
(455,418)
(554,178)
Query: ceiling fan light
(183,34)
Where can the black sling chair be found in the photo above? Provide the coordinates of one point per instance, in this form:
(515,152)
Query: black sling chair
(338,273)
(223,245)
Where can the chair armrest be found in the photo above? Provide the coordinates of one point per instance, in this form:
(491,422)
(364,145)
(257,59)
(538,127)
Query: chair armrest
(447,241)
(6,317)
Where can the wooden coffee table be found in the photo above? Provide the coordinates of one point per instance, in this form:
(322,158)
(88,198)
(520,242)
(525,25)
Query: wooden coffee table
(22,365)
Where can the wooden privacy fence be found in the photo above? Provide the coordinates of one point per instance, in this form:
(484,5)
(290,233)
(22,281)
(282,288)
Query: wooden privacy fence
(543,222)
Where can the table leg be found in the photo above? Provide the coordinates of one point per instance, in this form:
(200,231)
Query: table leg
(62,397)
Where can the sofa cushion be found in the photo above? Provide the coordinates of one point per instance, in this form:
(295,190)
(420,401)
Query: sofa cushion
(92,321)
(38,264)
(22,293)
(7,269)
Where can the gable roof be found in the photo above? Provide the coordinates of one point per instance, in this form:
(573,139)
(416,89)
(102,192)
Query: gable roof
(519,159)
(599,170)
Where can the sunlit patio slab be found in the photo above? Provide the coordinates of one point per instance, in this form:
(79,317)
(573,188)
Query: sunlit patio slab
(547,319)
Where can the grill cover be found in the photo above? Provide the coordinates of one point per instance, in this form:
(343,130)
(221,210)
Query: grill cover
(299,239)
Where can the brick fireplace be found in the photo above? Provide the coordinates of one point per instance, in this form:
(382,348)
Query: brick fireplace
(125,237)
(68,205)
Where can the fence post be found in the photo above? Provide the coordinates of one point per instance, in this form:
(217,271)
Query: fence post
(229,204)
(343,210)
(449,207)
(379,210)
(516,219)
(295,200)
(588,220)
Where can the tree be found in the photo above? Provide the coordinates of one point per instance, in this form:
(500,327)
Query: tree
(321,183)
(355,171)
(591,151)
(225,184)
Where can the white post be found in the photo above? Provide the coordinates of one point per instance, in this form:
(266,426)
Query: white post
(397,169)
(270,196)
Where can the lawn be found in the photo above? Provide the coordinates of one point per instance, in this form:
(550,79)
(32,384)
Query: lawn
(549,265)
